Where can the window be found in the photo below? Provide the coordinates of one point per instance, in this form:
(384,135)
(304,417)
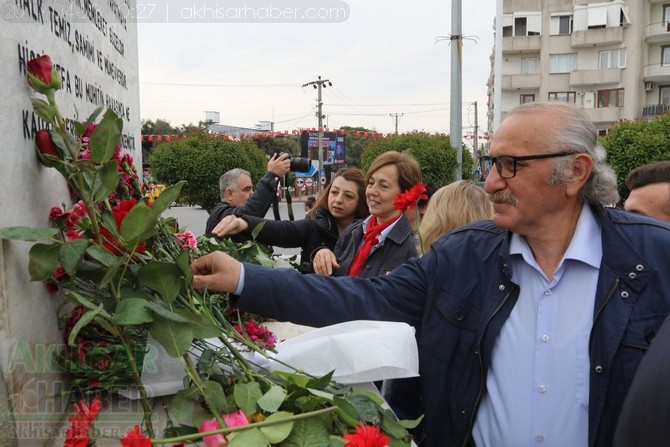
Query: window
(563,96)
(665,56)
(528,65)
(562,63)
(561,23)
(597,16)
(664,95)
(612,58)
(666,13)
(522,26)
(523,99)
(610,98)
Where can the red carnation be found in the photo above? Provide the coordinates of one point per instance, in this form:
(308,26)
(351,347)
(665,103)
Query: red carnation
(366,436)
(410,197)
(135,438)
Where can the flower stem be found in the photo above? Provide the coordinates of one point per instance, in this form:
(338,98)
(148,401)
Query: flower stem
(137,379)
(266,423)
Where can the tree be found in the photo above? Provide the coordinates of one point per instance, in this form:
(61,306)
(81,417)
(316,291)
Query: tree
(631,144)
(433,153)
(201,159)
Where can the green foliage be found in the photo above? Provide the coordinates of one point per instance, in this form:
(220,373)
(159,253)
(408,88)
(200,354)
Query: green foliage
(631,144)
(433,153)
(200,159)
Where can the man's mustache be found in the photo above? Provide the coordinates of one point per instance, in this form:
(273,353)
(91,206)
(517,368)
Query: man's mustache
(503,197)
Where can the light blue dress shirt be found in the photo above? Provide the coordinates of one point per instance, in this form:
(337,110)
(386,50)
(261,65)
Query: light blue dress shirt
(537,388)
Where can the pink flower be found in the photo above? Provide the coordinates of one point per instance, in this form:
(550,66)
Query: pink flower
(236,419)
(135,438)
(217,440)
(186,240)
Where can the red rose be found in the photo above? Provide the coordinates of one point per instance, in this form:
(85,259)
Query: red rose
(46,148)
(42,76)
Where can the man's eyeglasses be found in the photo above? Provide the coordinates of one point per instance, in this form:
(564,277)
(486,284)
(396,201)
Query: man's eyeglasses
(506,164)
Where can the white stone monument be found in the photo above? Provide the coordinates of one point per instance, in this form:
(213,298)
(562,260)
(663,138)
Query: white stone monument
(94,47)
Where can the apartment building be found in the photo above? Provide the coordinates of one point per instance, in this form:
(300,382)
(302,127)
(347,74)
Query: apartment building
(610,57)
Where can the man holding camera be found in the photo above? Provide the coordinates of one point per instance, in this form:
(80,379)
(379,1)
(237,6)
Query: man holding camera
(237,191)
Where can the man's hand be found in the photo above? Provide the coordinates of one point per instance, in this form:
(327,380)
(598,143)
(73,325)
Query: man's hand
(279,166)
(230,225)
(217,272)
(324,262)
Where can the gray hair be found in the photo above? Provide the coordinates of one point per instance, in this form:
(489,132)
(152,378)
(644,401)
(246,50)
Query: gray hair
(229,180)
(576,133)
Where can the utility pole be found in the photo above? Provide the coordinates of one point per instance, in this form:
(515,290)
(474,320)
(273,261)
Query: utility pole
(476,137)
(456,121)
(396,116)
(319,84)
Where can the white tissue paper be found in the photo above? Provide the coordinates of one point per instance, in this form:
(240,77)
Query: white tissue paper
(358,351)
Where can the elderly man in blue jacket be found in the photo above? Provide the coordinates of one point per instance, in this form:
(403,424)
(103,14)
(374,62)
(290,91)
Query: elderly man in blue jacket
(532,325)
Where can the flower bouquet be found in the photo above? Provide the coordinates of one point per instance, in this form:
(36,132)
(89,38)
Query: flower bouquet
(125,273)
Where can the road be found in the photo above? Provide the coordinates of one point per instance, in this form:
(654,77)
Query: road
(194,218)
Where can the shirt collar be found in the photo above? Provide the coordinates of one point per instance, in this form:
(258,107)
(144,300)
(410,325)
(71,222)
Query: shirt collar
(581,246)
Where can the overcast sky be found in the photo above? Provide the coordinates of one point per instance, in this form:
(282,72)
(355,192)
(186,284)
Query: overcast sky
(382,59)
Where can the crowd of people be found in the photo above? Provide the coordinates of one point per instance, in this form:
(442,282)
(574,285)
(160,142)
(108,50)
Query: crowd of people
(534,298)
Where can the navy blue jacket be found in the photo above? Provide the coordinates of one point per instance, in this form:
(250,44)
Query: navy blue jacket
(461,293)
(308,234)
(257,205)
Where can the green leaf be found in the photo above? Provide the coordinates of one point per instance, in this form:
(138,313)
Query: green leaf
(247,395)
(163,312)
(184,265)
(274,434)
(138,225)
(346,411)
(167,197)
(202,326)
(247,438)
(272,400)
(80,128)
(83,321)
(308,432)
(43,261)
(71,254)
(175,338)
(215,395)
(101,254)
(392,427)
(161,277)
(366,408)
(321,383)
(106,180)
(27,234)
(106,137)
(44,110)
(132,311)
(182,406)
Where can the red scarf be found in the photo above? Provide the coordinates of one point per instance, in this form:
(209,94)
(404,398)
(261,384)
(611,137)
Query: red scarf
(369,241)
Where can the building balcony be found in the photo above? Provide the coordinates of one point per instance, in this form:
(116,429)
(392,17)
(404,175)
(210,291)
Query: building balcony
(654,2)
(582,78)
(652,110)
(521,82)
(658,33)
(597,37)
(522,44)
(657,73)
(604,114)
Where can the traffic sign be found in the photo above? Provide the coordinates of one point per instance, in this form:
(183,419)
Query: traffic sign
(299,182)
(309,181)
(323,180)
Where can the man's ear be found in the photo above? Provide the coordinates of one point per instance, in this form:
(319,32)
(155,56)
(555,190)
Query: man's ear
(228,194)
(582,167)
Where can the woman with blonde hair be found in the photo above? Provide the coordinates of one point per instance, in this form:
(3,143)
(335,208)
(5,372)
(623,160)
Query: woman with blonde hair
(453,206)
